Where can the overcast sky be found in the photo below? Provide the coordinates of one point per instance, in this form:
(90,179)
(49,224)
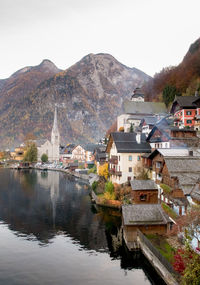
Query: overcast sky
(146,34)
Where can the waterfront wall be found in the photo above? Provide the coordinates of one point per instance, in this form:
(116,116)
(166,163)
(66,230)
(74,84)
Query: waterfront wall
(161,265)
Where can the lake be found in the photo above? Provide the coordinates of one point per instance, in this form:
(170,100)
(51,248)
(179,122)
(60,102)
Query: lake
(51,233)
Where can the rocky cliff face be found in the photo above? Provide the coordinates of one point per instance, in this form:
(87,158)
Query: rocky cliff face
(88,94)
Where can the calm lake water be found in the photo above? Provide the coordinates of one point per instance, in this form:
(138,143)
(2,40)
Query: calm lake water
(51,233)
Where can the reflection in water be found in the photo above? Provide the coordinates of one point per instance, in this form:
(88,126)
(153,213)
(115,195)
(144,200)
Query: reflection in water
(42,206)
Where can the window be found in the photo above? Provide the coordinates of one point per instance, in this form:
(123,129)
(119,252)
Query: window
(158,164)
(130,157)
(188,113)
(130,169)
(189,121)
(143,197)
(138,158)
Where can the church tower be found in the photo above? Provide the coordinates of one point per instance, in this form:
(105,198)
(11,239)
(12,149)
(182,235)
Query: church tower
(55,138)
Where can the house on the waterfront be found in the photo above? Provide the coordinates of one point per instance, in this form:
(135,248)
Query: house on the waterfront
(145,214)
(144,192)
(78,153)
(18,153)
(186,110)
(50,148)
(124,152)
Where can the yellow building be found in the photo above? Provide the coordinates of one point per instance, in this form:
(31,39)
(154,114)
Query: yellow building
(19,153)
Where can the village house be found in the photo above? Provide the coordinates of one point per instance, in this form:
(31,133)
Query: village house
(124,152)
(163,135)
(144,192)
(78,153)
(134,112)
(101,157)
(138,95)
(145,214)
(186,110)
(147,124)
(18,153)
(179,170)
(66,153)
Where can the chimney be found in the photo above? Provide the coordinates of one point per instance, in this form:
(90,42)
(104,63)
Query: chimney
(138,138)
(196,94)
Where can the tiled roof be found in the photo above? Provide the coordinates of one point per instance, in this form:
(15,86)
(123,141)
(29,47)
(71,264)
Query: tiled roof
(131,107)
(143,185)
(196,192)
(127,143)
(146,214)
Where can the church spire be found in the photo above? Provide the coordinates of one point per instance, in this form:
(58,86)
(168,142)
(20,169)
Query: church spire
(55,136)
(55,122)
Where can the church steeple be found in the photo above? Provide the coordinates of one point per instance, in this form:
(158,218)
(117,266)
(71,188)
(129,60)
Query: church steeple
(55,136)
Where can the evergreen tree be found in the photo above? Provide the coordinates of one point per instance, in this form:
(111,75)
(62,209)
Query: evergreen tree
(131,128)
(168,94)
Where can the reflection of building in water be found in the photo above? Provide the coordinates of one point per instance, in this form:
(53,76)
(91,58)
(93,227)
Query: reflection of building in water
(50,181)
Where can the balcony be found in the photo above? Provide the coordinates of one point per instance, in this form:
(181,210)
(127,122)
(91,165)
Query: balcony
(113,159)
(115,172)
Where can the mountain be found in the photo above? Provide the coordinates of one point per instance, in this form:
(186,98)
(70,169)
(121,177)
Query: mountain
(89,95)
(185,77)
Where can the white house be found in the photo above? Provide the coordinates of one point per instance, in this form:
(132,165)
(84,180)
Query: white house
(78,153)
(125,151)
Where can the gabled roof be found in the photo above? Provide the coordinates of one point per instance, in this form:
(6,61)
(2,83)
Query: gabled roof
(127,143)
(186,169)
(196,192)
(143,185)
(146,214)
(151,120)
(131,107)
(40,142)
(184,102)
(183,164)
(170,152)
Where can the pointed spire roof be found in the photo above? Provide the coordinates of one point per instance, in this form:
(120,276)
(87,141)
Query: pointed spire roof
(55,122)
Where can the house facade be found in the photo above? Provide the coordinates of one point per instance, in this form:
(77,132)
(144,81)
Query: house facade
(186,110)
(78,153)
(124,152)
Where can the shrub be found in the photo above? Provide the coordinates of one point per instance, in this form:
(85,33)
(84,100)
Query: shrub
(94,186)
(109,187)
(92,170)
(44,157)
(166,188)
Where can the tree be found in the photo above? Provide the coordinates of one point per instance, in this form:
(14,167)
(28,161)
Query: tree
(103,170)
(44,157)
(168,94)
(131,128)
(31,153)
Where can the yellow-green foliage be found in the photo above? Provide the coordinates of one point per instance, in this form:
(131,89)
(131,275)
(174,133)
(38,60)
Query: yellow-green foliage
(166,188)
(103,170)
(169,211)
(109,191)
